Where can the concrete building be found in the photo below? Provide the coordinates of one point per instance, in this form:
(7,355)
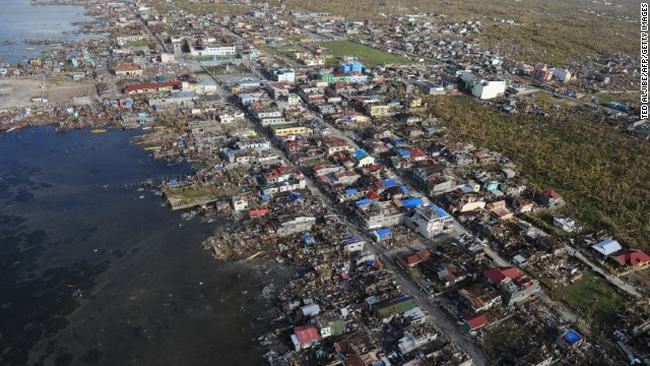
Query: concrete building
(212,50)
(284,75)
(128,70)
(481,88)
(297,225)
(429,221)
(562,75)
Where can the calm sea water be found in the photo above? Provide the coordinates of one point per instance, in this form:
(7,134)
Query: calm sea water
(91,274)
(19,20)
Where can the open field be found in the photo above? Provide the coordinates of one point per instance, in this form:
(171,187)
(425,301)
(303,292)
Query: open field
(284,50)
(187,197)
(592,297)
(551,31)
(368,55)
(631,97)
(230,69)
(19,92)
(602,174)
(506,341)
(200,8)
(546,100)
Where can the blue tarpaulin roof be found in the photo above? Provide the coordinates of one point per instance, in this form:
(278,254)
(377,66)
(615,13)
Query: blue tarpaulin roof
(389,183)
(371,300)
(294,196)
(382,233)
(360,154)
(404,152)
(412,202)
(439,211)
(308,239)
(361,202)
(351,191)
(572,337)
(404,189)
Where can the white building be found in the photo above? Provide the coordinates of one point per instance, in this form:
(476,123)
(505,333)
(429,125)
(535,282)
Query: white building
(607,247)
(489,89)
(430,221)
(353,245)
(483,89)
(213,50)
(284,75)
(273,121)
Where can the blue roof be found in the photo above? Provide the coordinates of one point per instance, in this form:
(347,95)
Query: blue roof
(404,189)
(361,202)
(389,183)
(354,239)
(412,202)
(572,337)
(371,300)
(383,232)
(294,196)
(308,239)
(404,152)
(351,191)
(439,211)
(399,142)
(401,298)
(360,154)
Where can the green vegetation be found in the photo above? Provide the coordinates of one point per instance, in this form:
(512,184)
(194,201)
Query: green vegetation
(601,173)
(631,97)
(139,43)
(507,341)
(544,221)
(551,31)
(205,8)
(197,195)
(283,50)
(546,100)
(313,162)
(369,56)
(592,297)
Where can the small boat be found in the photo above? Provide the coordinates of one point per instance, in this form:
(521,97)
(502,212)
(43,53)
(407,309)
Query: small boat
(12,129)
(98,131)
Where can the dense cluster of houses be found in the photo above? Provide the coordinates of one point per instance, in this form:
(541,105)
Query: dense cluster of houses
(337,167)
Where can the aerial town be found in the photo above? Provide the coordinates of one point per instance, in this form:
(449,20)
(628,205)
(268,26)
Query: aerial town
(351,152)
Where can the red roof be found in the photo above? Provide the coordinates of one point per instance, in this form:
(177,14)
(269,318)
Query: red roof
(414,259)
(550,193)
(260,212)
(477,322)
(307,334)
(372,195)
(496,275)
(417,153)
(631,257)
